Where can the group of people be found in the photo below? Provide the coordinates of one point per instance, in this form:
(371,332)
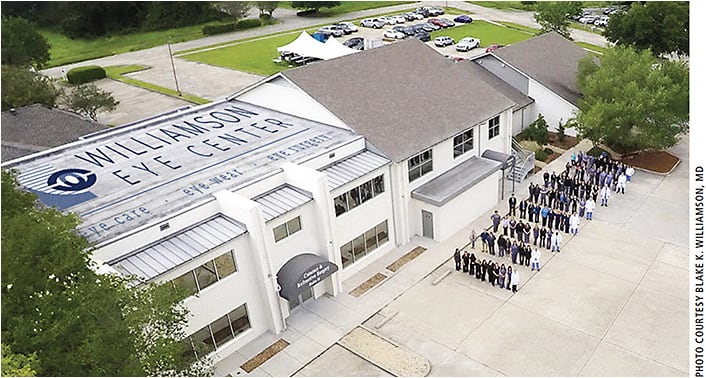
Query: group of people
(558,205)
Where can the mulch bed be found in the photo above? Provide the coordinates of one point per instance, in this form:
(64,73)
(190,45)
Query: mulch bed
(655,161)
(566,144)
(265,355)
(367,285)
(409,256)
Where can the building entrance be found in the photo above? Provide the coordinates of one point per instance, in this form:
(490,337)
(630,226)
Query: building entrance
(301,298)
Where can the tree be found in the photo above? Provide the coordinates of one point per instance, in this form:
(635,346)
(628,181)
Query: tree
(21,87)
(79,322)
(267,7)
(18,365)
(88,99)
(22,44)
(661,26)
(554,16)
(236,9)
(315,5)
(631,101)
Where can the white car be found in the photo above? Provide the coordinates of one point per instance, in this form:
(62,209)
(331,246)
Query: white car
(386,20)
(394,34)
(467,43)
(443,41)
(350,25)
(398,19)
(372,23)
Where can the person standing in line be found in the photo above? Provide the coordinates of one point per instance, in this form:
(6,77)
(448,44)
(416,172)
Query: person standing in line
(491,243)
(537,210)
(484,270)
(528,231)
(543,237)
(605,195)
(479,268)
(512,204)
(519,229)
(473,238)
(535,233)
(582,207)
(543,195)
(496,220)
(590,206)
(509,277)
(536,254)
(528,254)
(521,251)
(492,277)
(513,252)
(550,234)
(629,171)
(502,240)
(549,218)
(556,241)
(574,224)
(465,258)
(505,223)
(622,180)
(501,276)
(472,265)
(565,221)
(512,225)
(515,280)
(574,204)
(484,241)
(457,259)
(557,221)
(523,208)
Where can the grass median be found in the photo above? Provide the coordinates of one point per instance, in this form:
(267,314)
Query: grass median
(485,31)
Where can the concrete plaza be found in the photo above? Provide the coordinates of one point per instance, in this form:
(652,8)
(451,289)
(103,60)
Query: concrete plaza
(613,302)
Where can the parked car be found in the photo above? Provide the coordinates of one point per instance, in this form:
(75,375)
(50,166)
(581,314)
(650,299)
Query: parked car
(356,43)
(429,27)
(407,30)
(443,41)
(411,16)
(394,34)
(372,23)
(398,19)
(387,20)
(464,19)
(437,22)
(331,30)
(492,48)
(447,23)
(424,11)
(350,25)
(588,19)
(435,11)
(467,43)
(345,29)
(602,21)
(423,36)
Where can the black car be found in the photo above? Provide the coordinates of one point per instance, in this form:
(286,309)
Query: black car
(424,12)
(356,43)
(423,36)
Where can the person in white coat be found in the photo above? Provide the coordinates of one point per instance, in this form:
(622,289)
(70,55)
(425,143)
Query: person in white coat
(536,254)
(574,224)
(622,180)
(590,206)
(604,195)
(515,280)
(629,171)
(556,242)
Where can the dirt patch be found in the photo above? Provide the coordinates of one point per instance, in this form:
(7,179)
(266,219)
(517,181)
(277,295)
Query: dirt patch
(367,285)
(565,144)
(551,157)
(409,256)
(655,161)
(265,355)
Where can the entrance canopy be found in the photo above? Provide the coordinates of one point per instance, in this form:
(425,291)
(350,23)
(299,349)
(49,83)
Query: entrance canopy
(504,159)
(301,273)
(307,46)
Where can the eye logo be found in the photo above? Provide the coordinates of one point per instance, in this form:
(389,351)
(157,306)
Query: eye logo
(72,180)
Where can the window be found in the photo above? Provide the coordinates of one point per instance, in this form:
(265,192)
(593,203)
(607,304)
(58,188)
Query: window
(494,127)
(363,244)
(463,143)
(420,165)
(288,228)
(212,336)
(359,195)
(205,275)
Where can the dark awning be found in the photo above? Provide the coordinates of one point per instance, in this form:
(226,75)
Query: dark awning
(504,159)
(302,272)
(455,181)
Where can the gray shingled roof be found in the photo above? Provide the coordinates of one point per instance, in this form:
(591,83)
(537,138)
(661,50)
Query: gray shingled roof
(508,90)
(35,128)
(550,59)
(403,97)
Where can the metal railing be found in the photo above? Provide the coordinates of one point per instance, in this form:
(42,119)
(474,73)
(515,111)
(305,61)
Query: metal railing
(524,162)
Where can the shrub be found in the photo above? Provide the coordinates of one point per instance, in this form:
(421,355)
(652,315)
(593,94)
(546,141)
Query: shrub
(234,26)
(248,24)
(548,151)
(538,130)
(541,155)
(85,74)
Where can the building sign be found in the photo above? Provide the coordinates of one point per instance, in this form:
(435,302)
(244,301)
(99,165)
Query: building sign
(302,272)
(123,179)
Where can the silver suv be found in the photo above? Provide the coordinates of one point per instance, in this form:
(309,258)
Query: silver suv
(443,41)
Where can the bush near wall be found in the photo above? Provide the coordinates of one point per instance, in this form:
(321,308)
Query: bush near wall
(85,74)
(233,26)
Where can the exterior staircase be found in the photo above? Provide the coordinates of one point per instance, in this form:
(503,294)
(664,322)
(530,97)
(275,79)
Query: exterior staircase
(524,162)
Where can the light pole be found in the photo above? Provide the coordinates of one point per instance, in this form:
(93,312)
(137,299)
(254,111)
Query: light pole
(171,57)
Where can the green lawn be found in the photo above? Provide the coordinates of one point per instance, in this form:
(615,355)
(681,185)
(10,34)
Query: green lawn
(349,6)
(505,5)
(487,33)
(598,49)
(513,25)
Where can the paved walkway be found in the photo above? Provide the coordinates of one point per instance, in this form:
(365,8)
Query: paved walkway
(612,303)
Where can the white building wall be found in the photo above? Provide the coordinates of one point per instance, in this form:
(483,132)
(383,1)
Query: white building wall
(554,108)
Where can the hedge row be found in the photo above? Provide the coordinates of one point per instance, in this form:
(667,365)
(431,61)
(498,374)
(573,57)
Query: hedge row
(85,74)
(234,26)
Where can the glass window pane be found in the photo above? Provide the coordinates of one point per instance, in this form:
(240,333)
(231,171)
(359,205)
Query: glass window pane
(370,240)
(339,203)
(221,331)
(458,150)
(359,247)
(205,275)
(186,284)
(294,225)
(280,232)
(414,174)
(382,232)
(239,320)
(225,264)
(353,198)
(458,139)
(366,191)
(203,342)
(426,167)
(378,185)
(347,254)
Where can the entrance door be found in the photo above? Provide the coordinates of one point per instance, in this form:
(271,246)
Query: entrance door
(427,224)
(301,298)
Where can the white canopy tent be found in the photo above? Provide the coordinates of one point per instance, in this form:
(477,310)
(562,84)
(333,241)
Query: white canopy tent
(307,46)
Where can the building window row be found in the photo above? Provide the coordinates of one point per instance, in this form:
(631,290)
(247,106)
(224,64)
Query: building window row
(420,165)
(364,244)
(205,275)
(222,330)
(358,195)
(287,228)
(463,143)
(494,127)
